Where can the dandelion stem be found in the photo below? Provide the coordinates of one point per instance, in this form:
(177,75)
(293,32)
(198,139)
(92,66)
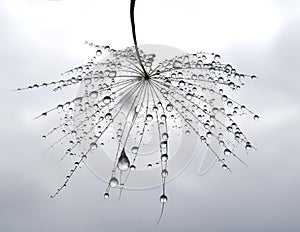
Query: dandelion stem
(132,4)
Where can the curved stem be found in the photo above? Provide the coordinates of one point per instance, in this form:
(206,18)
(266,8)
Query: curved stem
(132,4)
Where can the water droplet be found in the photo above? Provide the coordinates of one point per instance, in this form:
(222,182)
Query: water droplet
(229,103)
(169,107)
(164,157)
(163,144)
(256,117)
(149,117)
(163,198)
(181,83)
(106,195)
(217,58)
(112,74)
(134,150)
(73,133)
(177,64)
(224,98)
(99,52)
(188,96)
(248,146)
(132,167)
(94,94)
(227,152)
(165,136)
(123,162)
(164,173)
(93,146)
(108,116)
(106,99)
(224,167)
(113,182)
(208,134)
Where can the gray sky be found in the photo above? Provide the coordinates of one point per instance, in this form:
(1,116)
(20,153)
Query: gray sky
(41,39)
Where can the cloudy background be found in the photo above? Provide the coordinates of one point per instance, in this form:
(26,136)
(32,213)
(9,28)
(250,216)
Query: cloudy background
(39,39)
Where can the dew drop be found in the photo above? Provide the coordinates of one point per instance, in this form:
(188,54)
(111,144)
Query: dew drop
(134,150)
(165,136)
(93,146)
(99,52)
(106,195)
(149,117)
(113,182)
(163,198)
(169,107)
(217,58)
(227,152)
(108,116)
(164,173)
(224,167)
(123,162)
(164,157)
(106,99)
(177,64)
(255,117)
(94,94)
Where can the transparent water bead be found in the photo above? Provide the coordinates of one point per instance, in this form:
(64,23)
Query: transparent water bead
(113,182)
(163,198)
(123,162)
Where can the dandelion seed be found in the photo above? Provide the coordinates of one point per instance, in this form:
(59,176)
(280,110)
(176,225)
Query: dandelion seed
(127,97)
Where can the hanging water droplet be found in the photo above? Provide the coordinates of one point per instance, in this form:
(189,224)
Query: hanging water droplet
(248,146)
(177,64)
(134,150)
(108,116)
(132,167)
(123,162)
(106,195)
(149,117)
(255,117)
(164,157)
(98,52)
(163,198)
(113,182)
(112,74)
(93,94)
(106,99)
(224,167)
(164,173)
(217,58)
(229,103)
(165,136)
(181,83)
(93,146)
(169,107)
(227,152)
(224,98)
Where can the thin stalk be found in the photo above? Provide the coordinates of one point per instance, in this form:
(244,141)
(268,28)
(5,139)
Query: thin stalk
(132,4)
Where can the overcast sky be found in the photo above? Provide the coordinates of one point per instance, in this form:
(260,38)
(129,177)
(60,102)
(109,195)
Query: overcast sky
(40,39)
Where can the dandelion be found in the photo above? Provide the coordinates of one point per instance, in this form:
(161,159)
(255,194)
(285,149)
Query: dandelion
(127,96)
